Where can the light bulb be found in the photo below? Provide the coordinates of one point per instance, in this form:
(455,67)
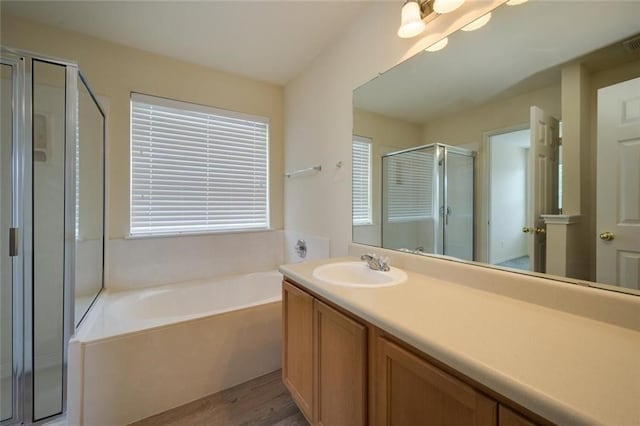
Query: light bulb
(411,23)
(446,6)
(478,23)
(438,46)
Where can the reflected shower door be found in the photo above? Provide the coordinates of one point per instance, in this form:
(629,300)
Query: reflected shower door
(458,212)
(7,376)
(49,127)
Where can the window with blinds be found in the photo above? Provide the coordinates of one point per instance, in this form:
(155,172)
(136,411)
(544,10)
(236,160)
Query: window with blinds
(408,186)
(361,181)
(196,168)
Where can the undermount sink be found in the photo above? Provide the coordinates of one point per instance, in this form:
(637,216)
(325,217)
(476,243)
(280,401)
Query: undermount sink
(358,274)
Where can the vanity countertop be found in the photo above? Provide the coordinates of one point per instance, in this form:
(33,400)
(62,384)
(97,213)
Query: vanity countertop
(567,368)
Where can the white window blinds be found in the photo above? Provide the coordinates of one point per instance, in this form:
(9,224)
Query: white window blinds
(361,181)
(196,168)
(409,186)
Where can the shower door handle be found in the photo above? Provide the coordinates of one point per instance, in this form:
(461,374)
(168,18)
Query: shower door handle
(445,214)
(13,242)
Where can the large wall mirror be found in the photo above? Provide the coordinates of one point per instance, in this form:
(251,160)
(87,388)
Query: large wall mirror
(516,145)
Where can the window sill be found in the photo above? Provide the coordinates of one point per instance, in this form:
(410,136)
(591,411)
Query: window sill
(196,234)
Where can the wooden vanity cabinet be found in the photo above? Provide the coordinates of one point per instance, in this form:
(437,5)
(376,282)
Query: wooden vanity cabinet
(511,418)
(324,360)
(343,371)
(297,340)
(410,391)
(340,368)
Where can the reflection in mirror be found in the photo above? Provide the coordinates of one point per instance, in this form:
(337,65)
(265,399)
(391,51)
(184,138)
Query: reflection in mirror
(554,119)
(89,202)
(418,208)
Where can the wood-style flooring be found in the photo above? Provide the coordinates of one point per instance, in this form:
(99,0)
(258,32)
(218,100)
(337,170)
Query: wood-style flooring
(262,401)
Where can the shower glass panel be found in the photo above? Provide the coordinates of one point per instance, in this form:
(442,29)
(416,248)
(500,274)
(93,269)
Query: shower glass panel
(408,194)
(89,203)
(458,222)
(48,126)
(7,379)
(419,212)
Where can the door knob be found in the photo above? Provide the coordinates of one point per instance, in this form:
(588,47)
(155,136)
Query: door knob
(540,231)
(527,230)
(607,236)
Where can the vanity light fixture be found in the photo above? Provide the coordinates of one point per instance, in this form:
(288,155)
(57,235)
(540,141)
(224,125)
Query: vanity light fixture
(446,6)
(438,46)
(516,2)
(414,13)
(411,23)
(478,23)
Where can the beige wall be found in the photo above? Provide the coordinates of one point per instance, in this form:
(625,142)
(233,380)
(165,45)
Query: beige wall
(468,127)
(318,107)
(387,135)
(113,71)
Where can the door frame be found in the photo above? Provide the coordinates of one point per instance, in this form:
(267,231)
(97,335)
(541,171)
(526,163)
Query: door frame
(485,207)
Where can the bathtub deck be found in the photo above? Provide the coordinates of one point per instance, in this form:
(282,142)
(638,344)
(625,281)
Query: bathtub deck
(261,401)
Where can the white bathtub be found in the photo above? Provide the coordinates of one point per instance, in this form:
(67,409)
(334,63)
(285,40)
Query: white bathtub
(142,352)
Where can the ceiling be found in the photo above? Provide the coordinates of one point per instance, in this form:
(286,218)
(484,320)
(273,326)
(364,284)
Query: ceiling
(271,41)
(519,50)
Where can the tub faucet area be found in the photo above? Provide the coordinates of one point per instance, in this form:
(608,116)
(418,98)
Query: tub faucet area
(375,262)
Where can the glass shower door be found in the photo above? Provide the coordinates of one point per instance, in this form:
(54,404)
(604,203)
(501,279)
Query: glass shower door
(51,209)
(7,362)
(458,211)
(49,124)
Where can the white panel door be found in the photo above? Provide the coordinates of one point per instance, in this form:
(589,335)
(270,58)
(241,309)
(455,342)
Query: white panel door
(618,185)
(545,138)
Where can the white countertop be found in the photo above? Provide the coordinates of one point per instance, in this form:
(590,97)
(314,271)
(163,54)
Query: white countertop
(567,368)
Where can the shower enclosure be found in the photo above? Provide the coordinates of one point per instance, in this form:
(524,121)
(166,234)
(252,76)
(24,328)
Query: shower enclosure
(51,227)
(428,200)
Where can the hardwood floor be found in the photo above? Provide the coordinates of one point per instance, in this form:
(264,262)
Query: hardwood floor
(261,401)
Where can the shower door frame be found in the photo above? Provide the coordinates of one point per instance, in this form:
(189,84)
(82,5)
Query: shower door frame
(22,186)
(446,149)
(17,64)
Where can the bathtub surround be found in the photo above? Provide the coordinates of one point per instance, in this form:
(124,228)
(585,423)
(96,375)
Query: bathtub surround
(317,247)
(142,352)
(145,262)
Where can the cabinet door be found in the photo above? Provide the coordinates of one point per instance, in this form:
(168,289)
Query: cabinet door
(410,391)
(341,367)
(511,418)
(297,353)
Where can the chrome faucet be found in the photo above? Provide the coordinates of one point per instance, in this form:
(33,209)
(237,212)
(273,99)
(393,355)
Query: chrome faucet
(375,262)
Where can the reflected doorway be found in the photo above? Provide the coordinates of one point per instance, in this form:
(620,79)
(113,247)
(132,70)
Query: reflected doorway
(509,176)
